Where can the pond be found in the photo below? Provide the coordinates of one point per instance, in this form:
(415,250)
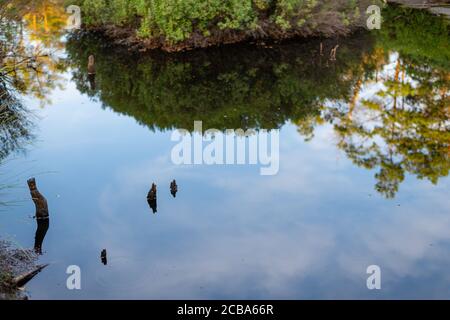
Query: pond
(364,145)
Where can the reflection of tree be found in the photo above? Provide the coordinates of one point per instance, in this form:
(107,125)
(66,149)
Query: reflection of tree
(401,128)
(26,67)
(420,35)
(28,61)
(232,87)
(14,124)
(404,126)
(45,21)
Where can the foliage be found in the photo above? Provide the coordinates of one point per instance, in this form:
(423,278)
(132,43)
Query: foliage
(178,20)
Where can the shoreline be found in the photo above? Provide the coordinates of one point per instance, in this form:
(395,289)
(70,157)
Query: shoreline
(267,32)
(14,262)
(125,37)
(336,21)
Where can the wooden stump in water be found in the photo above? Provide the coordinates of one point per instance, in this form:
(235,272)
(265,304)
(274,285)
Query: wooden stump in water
(39,200)
(333,53)
(91,65)
(103,257)
(151,198)
(174,188)
(91,72)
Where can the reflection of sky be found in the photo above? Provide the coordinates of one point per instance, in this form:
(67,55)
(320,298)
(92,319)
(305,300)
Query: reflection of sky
(308,232)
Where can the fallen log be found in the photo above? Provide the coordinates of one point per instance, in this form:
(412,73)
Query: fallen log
(23,279)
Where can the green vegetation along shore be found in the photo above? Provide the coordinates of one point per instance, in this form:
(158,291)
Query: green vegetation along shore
(175,25)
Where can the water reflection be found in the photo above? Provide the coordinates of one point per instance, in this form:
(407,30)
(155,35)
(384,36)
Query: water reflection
(42,215)
(15,123)
(387,102)
(31,36)
(232,87)
(41,231)
(43,20)
(91,72)
(104,257)
(386,94)
(403,125)
(26,67)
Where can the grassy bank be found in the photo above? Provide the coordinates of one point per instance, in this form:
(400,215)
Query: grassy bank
(175,25)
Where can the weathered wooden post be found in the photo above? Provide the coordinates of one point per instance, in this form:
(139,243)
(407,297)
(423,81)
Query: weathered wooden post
(151,198)
(91,65)
(174,188)
(91,72)
(104,257)
(39,200)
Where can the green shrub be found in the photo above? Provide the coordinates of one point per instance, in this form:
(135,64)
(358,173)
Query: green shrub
(176,20)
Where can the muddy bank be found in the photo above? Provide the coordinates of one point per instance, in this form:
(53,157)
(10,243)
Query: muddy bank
(14,262)
(126,36)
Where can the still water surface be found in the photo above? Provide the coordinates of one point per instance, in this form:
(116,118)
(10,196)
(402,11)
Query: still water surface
(362,179)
